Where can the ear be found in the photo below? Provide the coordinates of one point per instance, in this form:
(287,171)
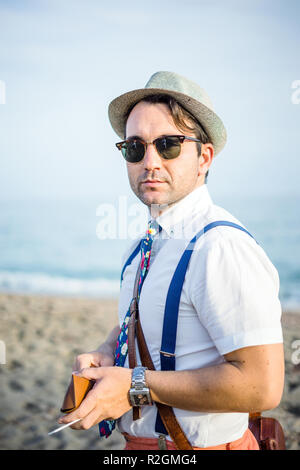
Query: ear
(205,160)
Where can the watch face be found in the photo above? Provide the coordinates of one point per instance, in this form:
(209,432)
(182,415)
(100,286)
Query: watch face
(140,398)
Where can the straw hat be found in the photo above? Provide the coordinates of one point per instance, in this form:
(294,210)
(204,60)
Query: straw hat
(193,98)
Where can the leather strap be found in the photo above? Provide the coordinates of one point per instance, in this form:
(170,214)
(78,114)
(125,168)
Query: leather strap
(136,410)
(254,415)
(166,412)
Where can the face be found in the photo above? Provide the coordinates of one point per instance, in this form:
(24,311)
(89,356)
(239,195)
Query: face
(174,178)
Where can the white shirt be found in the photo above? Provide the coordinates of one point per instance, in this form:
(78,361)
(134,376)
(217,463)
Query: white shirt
(229,301)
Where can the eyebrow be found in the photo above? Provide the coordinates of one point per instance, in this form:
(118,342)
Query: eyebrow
(134,137)
(141,138)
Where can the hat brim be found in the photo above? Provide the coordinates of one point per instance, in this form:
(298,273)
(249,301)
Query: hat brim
(208,119)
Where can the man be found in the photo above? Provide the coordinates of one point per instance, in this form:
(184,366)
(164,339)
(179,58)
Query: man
(229,352)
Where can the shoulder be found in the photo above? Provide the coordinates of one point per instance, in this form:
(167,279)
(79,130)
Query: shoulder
(221,227)
(225,249)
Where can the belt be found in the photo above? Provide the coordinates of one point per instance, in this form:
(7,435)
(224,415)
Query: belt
(160,442)
(246,442)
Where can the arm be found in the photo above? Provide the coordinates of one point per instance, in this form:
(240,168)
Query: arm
(250,379)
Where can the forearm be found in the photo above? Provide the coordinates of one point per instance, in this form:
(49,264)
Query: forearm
(221,388)
(214,389)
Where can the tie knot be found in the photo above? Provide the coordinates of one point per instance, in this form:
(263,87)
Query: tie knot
(153,228)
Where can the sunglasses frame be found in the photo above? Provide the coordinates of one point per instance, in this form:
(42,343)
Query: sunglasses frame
(181,138)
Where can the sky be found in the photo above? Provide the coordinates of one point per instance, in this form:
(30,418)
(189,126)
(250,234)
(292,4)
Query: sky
(63,61)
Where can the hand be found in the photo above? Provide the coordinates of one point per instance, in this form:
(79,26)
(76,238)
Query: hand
(103,357)
(108,399)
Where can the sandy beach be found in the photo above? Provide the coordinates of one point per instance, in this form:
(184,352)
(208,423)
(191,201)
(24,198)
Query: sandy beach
(43,335)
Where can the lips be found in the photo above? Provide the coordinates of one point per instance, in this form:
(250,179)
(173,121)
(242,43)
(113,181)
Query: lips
(152,182)
(155,180)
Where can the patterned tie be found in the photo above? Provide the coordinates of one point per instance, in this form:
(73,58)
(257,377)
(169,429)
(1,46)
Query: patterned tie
(107,426)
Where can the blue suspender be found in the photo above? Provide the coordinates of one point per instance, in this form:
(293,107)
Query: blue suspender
(173,298)
(133,255)
(168,344)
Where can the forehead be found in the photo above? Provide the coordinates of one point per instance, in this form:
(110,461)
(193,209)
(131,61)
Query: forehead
(147,119)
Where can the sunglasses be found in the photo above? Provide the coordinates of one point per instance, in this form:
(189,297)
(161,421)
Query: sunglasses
(168,147)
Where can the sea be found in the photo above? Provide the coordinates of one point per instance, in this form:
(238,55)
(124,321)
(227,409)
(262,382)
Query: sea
(54,248)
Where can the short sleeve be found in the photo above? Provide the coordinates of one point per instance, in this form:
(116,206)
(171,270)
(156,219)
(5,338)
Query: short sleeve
(234,290)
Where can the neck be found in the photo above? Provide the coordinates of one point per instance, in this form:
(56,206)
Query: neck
(155,210)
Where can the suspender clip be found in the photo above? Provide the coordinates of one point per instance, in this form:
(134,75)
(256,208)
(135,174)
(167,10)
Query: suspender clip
(167,354)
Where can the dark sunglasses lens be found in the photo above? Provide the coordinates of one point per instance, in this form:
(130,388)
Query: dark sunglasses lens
(168,147)
(133,151)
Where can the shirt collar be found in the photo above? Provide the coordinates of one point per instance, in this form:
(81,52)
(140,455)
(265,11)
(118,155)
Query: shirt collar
(174,218)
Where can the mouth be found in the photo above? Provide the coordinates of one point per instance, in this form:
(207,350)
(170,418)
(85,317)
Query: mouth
(152,182)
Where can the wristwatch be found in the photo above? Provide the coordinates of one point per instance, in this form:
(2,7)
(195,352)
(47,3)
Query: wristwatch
(139,393)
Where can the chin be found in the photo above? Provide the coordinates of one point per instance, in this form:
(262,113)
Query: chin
(153,198)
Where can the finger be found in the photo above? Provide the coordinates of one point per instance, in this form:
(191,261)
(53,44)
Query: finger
(80,364)
(93,418)
(91,373)
(68,418)
(76,426)
(87,405)
(76,414)
(82,411)
(84,361)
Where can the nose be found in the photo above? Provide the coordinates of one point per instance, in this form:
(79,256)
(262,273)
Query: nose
(151,159)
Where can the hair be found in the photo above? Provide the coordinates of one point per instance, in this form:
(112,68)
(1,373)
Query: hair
(182,118)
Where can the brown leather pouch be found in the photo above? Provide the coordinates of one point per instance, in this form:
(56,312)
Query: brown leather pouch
(267,431)
(76,392)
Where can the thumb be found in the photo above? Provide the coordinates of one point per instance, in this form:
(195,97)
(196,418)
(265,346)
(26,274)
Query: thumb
(91,373)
